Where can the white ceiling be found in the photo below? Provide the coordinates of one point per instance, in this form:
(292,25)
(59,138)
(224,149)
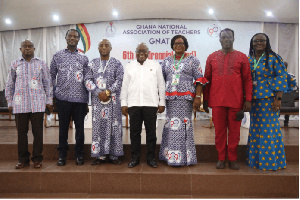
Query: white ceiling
(27,14)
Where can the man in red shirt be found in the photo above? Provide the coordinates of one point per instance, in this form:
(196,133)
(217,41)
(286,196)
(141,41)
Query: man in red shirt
(228,92)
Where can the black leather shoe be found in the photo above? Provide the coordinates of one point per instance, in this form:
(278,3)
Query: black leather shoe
(116,162)
(220,164)
(133,163)
(79,161)
(152,163)
(97,161)
(61,162)
(234,165)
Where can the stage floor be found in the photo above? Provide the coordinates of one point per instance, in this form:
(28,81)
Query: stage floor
(202,133)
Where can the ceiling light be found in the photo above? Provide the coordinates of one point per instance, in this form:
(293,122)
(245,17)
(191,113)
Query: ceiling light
(55,17)
(269,14)
(7,21)
(115,13)
(211,11)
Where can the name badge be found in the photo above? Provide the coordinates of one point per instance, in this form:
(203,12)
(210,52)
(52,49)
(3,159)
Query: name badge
(101,83)
(255,83)
(175,79)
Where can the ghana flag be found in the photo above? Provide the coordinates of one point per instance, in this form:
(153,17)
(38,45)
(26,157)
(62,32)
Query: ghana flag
(85,37)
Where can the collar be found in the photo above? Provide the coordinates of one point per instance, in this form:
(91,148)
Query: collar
(23,59)
(66,49)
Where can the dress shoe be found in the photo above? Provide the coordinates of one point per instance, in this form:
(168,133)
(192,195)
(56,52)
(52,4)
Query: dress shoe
(234,165)
(133,163)
(21,165)
(37,164)
(61,162)
(79,161)
(98,161)
(116,162)
(220,164)
(152,163)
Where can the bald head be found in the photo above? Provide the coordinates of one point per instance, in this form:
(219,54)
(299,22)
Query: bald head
(27,41)
(142,52)
(104,48)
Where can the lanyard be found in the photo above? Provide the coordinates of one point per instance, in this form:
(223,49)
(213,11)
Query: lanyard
(257,62)
(176,66)
(105,65)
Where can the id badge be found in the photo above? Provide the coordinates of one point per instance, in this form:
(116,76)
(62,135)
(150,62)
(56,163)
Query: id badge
(101,83)
(175,79)
(255,83)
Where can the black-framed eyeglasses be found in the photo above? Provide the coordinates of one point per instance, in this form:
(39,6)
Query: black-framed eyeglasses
(261,41)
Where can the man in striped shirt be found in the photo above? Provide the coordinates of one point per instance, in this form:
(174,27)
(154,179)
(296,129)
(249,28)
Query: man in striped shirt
(27,93)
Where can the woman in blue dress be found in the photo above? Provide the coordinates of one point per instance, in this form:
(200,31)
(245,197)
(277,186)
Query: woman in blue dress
(184,81)
(265,148)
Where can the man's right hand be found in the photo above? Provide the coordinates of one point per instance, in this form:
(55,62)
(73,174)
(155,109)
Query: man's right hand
(10,109)
(205,106)
(125,110)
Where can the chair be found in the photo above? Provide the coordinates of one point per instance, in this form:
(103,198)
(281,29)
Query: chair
(4,106)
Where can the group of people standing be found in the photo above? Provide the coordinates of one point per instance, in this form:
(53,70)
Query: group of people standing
(232,84)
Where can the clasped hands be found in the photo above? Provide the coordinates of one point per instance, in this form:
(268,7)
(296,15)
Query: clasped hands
(103,97)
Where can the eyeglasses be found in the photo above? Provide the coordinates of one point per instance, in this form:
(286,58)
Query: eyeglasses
(257,41)
(179,44)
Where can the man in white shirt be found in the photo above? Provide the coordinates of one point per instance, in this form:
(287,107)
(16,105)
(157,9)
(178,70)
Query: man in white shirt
(142,96)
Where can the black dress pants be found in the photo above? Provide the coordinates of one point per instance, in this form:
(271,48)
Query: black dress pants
(22,122)
(137,116)
(78,112)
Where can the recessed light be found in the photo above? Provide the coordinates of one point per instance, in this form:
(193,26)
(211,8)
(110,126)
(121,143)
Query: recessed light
(115,13)
(7,21)
(269,13)
(211,11)
(55,17)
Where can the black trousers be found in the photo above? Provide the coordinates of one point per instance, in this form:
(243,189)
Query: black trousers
(77,111)
(137,116)
(22,122)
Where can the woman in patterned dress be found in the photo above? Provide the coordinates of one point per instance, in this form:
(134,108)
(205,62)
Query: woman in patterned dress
(184,82)
(265,148)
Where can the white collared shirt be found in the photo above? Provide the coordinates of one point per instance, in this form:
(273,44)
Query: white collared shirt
(143,85)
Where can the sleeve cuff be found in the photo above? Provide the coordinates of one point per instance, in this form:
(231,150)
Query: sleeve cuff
(201,80)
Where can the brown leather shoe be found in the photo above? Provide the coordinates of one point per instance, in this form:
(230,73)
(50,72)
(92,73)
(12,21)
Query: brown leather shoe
(37,164)
(234,165)
(220,164)
(21,165)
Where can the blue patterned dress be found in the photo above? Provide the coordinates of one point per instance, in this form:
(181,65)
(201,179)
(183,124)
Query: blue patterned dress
(265,148)
(107,118)
(177,145)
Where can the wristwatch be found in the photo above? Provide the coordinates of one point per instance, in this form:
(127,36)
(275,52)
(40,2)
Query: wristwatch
(107,93)
(278,98)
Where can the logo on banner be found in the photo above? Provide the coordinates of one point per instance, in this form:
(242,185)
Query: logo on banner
(104,113)
(214,30)
(110,30)
(175,123)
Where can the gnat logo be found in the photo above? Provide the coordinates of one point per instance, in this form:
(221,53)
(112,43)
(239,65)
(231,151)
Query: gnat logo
(110,30)
(214,30)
